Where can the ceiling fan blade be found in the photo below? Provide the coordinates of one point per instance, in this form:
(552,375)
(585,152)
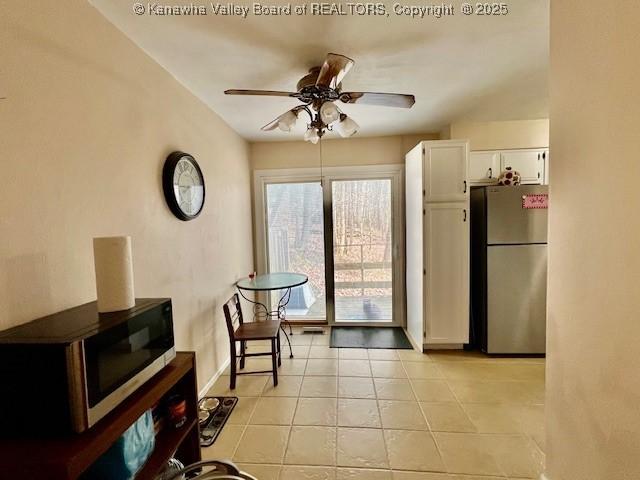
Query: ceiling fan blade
(381,99)
(267,93)
(333,70)
(271,125)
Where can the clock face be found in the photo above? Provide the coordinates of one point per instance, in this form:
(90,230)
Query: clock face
(183,185)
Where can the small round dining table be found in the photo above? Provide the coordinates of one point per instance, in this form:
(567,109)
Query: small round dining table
(269,282)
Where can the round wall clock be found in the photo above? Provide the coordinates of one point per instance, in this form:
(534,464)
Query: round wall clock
(183,185)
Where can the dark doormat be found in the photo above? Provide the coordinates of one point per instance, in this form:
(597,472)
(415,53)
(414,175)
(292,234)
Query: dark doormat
(369,337)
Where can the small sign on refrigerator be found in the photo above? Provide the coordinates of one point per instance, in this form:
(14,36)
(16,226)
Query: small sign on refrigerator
(538,200)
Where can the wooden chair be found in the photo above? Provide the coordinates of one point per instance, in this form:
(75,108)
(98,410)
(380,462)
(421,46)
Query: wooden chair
(247,332)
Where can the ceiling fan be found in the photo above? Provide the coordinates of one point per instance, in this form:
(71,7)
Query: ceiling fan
(318,91)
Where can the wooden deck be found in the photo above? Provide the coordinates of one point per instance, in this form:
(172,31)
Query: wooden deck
(351,309)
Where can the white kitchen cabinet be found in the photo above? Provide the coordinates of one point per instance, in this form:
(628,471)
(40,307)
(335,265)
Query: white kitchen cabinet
(484,168)
(529,163)
(437,242)
(445,167)
(447,273)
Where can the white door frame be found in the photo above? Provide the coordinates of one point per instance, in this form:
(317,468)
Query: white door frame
(394,172)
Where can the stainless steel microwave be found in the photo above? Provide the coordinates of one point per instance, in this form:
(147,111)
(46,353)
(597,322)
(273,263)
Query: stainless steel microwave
(66,371)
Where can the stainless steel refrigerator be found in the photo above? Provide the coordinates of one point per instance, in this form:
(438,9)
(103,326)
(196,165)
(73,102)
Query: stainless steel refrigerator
(509,268)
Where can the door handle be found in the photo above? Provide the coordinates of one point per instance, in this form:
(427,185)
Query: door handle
(465,215)
(465,187)
(490,172)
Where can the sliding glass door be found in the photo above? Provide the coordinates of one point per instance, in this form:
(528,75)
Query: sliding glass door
(295,239)
(345,234)
(362,250)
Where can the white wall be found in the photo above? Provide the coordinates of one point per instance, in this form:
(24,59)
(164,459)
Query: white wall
(84,132)
(593,379)
(502,135)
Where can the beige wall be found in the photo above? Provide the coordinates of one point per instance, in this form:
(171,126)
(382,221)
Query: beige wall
(335,152)
(88,121)
(593,384)
(502,135)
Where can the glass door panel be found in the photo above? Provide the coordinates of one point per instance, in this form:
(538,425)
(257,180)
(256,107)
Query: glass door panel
(295,237)
(362,250)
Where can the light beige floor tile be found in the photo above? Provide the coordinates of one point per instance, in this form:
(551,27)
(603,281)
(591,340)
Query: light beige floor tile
(288,386)
(356,387)
(311,446)
(497,392)
(316,411)
(263,472)
(387,369)
(467,453)
(292,366)
(432,390)
(413,356)
(262,444)
(246,386)
(353,354)
(226,443)
(253,365)
(323,351)
(274,411)
(411,450)
(457,356)
(324,339)
(493,417)
(531,418)
(319,387)
(361,447)
(383,354)
(393,389)
(293,472)
(242,411)
(421,476)
(401,415)
(354,368)
(355,412)
(322,366)
(300,338)
(447,417)
(476,477)
(422,370)
(363,474)
(299,351)
(518,456)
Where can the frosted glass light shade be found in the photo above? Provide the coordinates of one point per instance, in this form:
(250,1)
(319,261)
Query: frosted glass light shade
(329,113)
(311,135)
(287,121)
(346,127)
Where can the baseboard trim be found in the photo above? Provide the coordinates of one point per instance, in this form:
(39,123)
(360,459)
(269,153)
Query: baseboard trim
(212,380)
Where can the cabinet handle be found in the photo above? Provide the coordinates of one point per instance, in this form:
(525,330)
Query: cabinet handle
(465,187)
(538,157)
(538,174)
(465,215)
(490,172)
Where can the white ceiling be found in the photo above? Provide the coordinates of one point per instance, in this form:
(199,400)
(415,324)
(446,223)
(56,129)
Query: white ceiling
(472,68)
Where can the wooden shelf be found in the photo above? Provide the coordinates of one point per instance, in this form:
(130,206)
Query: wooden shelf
(167,442)
(67,457)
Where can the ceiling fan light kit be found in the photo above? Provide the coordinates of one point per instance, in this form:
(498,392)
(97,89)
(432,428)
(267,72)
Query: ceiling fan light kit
(318,91)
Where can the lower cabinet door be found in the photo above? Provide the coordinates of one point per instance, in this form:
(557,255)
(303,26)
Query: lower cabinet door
(447,273)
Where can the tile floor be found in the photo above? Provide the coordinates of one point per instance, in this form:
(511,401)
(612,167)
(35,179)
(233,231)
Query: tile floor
(355,414)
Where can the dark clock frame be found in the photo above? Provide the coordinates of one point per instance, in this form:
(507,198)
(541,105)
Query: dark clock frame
(167,184)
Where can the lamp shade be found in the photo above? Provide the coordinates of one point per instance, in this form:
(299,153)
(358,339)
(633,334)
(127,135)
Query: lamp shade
(311,135)
(329,113)
(287,120)
(346,127)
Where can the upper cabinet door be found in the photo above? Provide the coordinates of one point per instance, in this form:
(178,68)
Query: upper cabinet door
(484,167)
(529,163)
(445,171)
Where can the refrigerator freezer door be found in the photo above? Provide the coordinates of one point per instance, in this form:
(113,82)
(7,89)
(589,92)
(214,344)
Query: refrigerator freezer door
(516,298)
(508,222)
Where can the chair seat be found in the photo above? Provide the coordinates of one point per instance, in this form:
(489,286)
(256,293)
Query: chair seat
(258,330)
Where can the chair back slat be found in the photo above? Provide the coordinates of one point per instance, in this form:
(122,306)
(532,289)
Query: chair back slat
(233,314)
